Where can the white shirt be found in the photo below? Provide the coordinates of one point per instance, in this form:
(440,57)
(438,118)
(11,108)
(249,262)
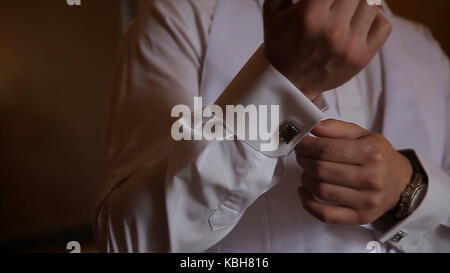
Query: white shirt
(228,196)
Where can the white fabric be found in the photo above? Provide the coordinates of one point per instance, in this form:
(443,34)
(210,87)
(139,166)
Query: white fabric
(194,196)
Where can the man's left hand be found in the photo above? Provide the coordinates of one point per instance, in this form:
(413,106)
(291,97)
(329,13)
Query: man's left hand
(358,174)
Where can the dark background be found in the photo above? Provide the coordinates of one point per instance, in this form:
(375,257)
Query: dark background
(55,68)
(434,14)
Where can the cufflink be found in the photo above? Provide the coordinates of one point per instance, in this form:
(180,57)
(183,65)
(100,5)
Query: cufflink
(288,132)
(398,236)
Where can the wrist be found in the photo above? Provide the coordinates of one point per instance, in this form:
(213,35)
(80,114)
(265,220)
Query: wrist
(415,190)
(407,171)
(292,77)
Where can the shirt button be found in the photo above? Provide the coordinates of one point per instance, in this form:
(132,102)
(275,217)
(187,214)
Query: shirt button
(398,236)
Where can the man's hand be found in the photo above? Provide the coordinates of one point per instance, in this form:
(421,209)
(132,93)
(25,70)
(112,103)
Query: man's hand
(358,173)
(321,44)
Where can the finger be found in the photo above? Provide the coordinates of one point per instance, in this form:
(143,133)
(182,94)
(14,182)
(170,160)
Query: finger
(343,10)
(273,6)
(345,151)
(331,172)
(379,32)
(363,19)
(332,128)
(338,195)
(326,213)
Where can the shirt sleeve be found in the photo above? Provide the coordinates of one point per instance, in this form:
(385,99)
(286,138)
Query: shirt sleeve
(427,229)
(185,196)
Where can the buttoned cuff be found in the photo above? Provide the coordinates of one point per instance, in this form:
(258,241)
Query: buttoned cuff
(282,111)
(286,113)
(434,210)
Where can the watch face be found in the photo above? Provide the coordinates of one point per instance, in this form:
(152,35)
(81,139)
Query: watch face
(417,197)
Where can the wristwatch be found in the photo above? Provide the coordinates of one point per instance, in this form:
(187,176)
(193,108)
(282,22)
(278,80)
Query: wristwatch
(415,191)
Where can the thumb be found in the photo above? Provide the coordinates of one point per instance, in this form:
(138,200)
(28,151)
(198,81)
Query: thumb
(332,128)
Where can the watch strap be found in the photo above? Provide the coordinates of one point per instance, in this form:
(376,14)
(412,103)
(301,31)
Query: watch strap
(418,180)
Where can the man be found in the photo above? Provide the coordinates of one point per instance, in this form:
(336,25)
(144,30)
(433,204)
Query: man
(330,186)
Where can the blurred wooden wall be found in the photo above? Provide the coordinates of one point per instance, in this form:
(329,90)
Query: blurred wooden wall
(434,14)
(55,68)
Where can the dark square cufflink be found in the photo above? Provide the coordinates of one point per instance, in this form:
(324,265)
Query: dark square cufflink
(288,132)
(398,236)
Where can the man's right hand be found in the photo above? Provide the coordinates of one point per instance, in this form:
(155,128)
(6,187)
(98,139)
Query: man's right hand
(321,44)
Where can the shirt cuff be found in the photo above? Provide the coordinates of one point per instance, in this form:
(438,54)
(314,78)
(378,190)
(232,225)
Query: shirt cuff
(262,87)
(434,210)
